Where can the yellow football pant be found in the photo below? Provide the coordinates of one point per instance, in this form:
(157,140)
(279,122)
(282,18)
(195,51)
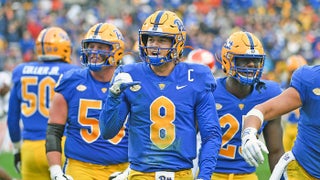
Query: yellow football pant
(86,171)
(221,176)
(296,172)
(179,175)
(289,135)
(34,164)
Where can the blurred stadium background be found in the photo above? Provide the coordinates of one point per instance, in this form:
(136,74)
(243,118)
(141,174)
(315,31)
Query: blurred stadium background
(285,27)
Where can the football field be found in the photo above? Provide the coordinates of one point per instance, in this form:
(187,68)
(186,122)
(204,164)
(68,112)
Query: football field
(6,163)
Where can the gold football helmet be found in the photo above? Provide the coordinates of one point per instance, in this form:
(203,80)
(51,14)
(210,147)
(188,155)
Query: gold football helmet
(53,43)
(243,46)
(165,24)
(294,62)
(103,33)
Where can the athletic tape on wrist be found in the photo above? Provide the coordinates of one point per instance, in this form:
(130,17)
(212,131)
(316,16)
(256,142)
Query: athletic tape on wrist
(257,113)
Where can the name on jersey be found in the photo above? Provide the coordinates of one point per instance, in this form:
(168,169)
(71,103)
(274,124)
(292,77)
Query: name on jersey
(42,70)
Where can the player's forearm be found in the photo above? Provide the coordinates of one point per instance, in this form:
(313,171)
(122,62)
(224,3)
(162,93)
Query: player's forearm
(54,158)
(111,120)
(209,153)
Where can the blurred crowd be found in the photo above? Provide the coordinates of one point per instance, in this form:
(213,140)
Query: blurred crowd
(285,27)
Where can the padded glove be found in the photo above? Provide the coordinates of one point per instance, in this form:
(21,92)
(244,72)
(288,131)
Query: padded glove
(121,82)
(252,148)
(57,174)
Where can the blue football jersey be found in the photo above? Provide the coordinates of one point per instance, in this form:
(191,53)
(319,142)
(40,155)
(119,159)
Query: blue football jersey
(231,111)
(30,97)
(164,113)
(85,98)
(306,149)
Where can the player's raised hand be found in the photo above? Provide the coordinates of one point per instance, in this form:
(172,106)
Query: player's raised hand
(121,82)
(252,148)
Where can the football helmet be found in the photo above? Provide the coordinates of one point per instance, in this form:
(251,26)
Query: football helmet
(104,33)
(164,24)
(294,62)
(246,46)
(53,43)
(202,56)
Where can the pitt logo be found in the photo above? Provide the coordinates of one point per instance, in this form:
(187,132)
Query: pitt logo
(228,44)
(241,106)
(179,24)
(162,86)
(316,91)
(104,90)
(119,35)
(135,88)
(164,178)
(218,106)
(81,87)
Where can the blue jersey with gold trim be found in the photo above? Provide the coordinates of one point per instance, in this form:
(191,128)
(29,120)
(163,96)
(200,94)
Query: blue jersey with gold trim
(231,111)
(30,97)
(306,149)
(164,113)
(85,98)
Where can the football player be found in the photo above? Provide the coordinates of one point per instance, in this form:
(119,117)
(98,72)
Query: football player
(168,102)
(242,62)
(291,123)
(302,162)
(76,106)
(30,99)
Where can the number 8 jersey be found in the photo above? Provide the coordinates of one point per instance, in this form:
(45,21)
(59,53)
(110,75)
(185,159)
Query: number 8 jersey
(164,114)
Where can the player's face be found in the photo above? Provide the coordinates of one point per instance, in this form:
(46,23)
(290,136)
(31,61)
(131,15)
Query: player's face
(158,45)
(248,63)
(96,48)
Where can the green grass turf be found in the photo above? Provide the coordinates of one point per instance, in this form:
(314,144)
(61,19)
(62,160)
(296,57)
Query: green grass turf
(263,170)
(6,163)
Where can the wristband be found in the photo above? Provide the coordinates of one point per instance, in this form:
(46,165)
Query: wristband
(257,113)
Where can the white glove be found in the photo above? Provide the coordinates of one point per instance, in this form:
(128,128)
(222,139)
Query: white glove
(120,175)
(57,174)
(252,148)
(121,82)
(282,165)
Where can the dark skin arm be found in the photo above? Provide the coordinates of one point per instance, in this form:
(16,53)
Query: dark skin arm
(273,137)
